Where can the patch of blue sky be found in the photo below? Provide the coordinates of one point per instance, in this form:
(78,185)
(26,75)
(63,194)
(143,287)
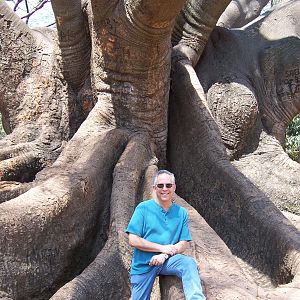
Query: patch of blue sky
(42,17)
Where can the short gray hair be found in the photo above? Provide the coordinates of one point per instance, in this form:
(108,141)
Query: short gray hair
(164,172)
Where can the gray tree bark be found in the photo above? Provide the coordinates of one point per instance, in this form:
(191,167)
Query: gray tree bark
(240,12)
(88,118)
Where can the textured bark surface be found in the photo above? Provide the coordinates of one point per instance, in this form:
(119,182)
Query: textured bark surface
(34,99)
(253,93)
(37,224)
(240,12)
(86,108)
(112,264)
(229,202)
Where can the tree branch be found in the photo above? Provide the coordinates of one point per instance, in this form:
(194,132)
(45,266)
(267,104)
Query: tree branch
(17,50)
(13,28)
(240,12)
(193,26)
(74,40)
(17,4)
(39,6)
(154,13)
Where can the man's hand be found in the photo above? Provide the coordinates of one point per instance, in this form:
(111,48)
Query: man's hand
(157,260)
(169,249)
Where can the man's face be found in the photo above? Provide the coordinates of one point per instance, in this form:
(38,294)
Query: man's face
(164,193)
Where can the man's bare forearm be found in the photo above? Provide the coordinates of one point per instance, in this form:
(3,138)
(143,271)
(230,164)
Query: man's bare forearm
(181,246)
(144,245)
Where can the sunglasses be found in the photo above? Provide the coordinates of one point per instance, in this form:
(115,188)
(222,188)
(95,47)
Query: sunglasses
(161,185)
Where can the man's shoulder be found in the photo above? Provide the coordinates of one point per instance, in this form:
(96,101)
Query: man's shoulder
(179,208)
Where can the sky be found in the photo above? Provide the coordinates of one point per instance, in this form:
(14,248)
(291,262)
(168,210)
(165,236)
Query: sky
(42,17)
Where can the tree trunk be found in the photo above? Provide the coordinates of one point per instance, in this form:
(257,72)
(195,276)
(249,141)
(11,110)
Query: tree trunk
(241,12)
(253,94)
(230,203)
(87,113)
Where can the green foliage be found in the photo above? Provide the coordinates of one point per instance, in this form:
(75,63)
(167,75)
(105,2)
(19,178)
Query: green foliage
(292,139)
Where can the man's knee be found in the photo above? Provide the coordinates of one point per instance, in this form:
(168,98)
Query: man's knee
(190,263)
(187,263)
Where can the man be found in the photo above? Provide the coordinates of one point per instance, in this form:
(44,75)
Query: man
(158,230)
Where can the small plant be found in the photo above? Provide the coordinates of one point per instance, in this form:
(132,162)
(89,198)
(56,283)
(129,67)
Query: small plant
(292,139)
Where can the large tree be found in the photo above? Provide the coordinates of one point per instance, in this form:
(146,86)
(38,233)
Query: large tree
(124,87)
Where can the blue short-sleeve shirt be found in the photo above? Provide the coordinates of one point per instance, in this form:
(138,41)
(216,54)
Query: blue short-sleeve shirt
(151,222)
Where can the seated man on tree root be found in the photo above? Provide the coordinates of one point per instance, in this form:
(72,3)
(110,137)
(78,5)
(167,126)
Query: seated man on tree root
(159,232)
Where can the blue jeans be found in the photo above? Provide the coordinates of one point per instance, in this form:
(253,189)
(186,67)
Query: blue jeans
(180,265)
